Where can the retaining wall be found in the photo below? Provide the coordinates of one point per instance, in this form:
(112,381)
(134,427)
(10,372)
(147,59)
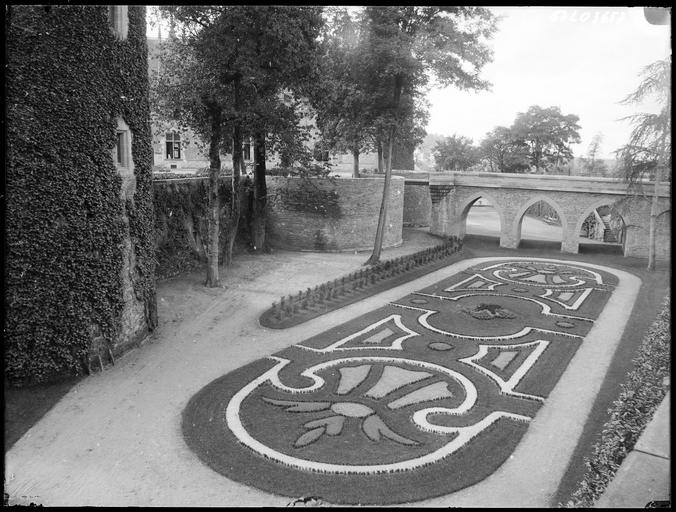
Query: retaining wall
(332,215)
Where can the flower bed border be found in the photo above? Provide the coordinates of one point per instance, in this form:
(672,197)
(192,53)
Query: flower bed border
(641,395)
(295,309)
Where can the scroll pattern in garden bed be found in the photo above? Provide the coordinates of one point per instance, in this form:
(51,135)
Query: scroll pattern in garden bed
(413,400)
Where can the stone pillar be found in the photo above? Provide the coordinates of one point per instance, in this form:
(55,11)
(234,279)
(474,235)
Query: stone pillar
(443,222)
(510,234)
(570,237)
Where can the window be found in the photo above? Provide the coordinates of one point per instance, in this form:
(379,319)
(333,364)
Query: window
(118,18)
(122,150)
(173,146)
(246,151)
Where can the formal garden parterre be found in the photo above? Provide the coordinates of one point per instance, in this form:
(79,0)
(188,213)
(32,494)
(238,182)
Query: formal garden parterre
(419,398)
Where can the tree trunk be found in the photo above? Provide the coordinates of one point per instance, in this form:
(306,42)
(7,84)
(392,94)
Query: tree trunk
(235,207)
(260,193)
(380,157)
(355,167)
(214,205)
(382,217)
(658,183)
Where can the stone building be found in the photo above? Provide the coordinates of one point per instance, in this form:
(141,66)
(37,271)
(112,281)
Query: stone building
(79,232)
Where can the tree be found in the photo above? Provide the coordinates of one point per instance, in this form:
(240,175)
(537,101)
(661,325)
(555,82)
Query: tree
(342,99)
(407,44)
(502,152)
(281,49)
(548,134)
(592,165)
(648,152)
(455,153)
(189,93)
(410,130)
(259,58)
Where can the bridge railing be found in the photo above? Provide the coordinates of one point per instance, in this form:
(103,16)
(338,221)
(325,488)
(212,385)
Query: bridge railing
(541,182)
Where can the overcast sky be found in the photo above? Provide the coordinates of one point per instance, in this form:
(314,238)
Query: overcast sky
(582,59)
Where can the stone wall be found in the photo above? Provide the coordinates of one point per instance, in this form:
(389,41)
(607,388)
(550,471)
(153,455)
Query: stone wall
(332,215)
(417,204)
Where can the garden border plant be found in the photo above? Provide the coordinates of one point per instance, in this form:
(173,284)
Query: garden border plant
(335,294)
(641,394)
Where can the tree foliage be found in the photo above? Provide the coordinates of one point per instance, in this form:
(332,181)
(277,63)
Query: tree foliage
(591,163)
(547,133)
(539,139)
(342,99)
(502,152)
(455,153)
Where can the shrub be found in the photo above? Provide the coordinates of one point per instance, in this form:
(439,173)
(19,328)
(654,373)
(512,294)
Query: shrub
(640,396)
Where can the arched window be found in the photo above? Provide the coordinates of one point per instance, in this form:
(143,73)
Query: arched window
(118,18)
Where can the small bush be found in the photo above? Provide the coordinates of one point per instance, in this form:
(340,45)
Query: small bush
(641,394)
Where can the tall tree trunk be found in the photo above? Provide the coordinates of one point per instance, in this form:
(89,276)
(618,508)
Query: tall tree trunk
(235,209)
(382,217)
(214,203)
(381,166)
(260,193)
(652,231)
(237,169)
(355,166)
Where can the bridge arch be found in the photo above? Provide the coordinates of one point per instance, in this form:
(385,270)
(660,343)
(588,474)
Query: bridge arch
(597,204)
(467,204)
(515,232)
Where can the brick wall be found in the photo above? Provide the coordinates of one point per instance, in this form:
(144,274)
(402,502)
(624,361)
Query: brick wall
(347,221)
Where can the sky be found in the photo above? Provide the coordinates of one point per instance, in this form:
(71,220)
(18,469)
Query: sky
(584,60)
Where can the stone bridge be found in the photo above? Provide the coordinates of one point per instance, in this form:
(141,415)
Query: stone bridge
(573,199)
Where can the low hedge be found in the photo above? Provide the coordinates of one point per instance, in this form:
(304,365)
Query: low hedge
(640,396)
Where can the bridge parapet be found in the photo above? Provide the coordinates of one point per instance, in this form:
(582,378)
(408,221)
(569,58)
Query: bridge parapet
(541,182)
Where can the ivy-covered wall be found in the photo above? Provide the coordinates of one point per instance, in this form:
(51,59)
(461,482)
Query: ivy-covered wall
(79,246)
(181,222)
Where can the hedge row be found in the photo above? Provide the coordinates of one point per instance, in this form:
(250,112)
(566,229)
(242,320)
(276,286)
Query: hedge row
(641,394)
